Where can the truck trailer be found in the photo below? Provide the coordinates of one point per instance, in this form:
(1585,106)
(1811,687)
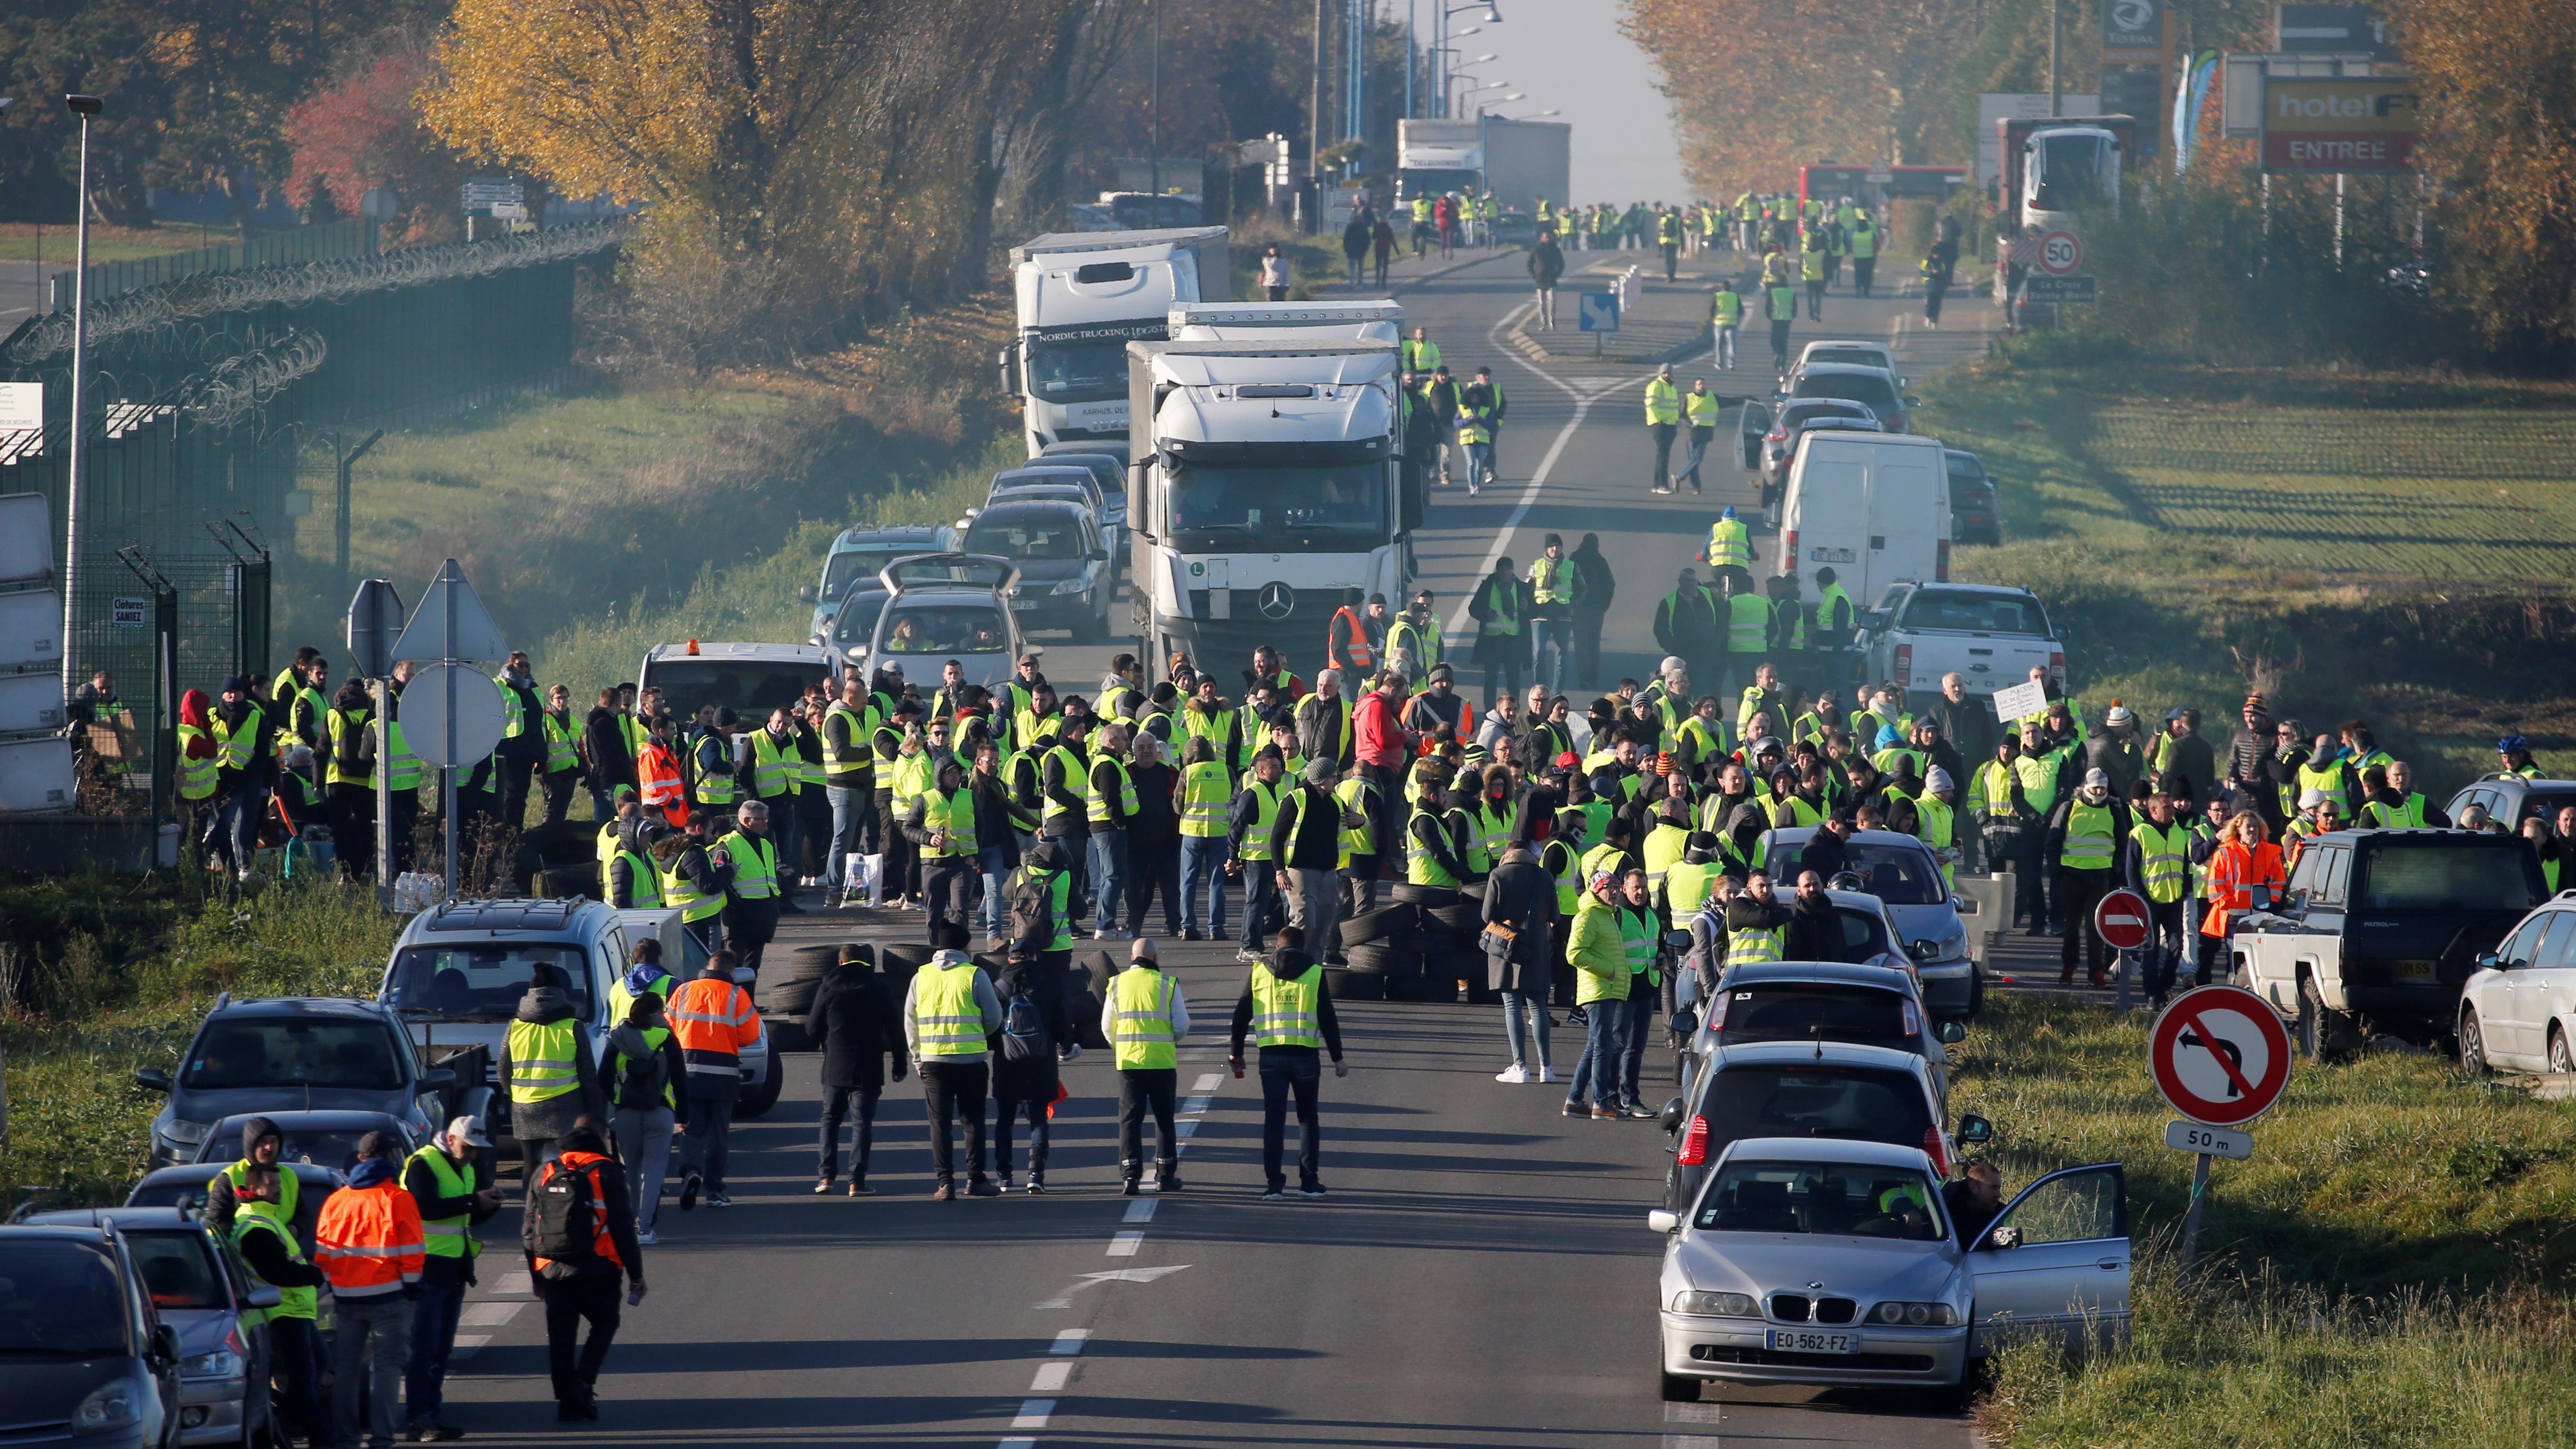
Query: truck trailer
(1520,162)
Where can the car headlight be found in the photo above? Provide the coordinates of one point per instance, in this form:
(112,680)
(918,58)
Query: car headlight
(222,1363)
(109,1406)
(1716,1305)
(1074,585)
(1955,945)
(1915,1315)
(181,1130)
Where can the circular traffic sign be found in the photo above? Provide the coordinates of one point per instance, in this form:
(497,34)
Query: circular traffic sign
(2220,1055)
(471,696)
(2121,919)
(2060,253)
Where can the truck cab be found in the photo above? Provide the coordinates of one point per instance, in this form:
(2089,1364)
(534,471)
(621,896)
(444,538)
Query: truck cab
(1268,484)
(2069,170)
(1081,297)
(2378,930)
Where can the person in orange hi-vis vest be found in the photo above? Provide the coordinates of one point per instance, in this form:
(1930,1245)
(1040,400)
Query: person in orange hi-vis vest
(579,1234)
(657,774)
(2245,873)
(369,1243)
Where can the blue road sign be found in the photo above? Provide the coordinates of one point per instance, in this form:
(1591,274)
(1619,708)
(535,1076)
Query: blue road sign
(1600,311)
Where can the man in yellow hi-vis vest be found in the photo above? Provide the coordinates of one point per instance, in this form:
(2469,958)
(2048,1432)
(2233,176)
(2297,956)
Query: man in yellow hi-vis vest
(1290,1019)
(1144,1015)
(1663,424)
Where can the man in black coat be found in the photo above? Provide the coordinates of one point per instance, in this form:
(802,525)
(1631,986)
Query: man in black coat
(1024,1085)
(1593,589)
(1521,895)
(604,745)
(852,1023)
(1967,721)
(1815,932)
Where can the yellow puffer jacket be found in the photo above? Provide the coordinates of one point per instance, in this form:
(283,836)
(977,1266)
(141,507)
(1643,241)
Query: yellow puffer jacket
(1599,957)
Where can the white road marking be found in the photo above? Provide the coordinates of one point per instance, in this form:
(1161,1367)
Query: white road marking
(513,1284)
(1051,1378)
(466,1343)
(1033,1414)
(1198,1104)
(1529,493)
(489,1314)
(1124,1245)
(1071,1342)
(1208,1083)
(1142,1210)
(1694,1413)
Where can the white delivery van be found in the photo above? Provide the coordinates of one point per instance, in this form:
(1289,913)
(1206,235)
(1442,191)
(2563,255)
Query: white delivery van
(1873,507)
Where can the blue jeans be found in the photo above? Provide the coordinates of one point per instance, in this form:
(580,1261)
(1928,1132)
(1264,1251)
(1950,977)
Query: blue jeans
(1722,347)
(1558,635)
(994,862)
(1597,1070)
(433,1338)
(1285,1070)
(1480,463)
(1642,1001)
(1203,859)
(1535,1003)
(1108,876)
(1260,900)
(850,809)
(237,821)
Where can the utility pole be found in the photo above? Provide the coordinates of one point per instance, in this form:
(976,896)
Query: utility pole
(1154,124)
(2055,7)
(1411,59)
(1315,119)
(84,107)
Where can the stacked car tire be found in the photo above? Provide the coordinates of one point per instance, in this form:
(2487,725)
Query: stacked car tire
(1420,946)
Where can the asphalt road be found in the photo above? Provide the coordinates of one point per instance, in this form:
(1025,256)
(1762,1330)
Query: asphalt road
(1481,1275)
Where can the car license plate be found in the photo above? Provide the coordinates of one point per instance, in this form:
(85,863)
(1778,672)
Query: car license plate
(1829,555)
(1024,603)
(1808,1340)
(2415,970)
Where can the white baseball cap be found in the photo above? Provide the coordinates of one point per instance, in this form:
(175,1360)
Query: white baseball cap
(469,1128)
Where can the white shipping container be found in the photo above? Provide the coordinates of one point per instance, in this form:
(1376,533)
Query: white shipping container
(30,702)
(26,539)
(35,776)
(31,629)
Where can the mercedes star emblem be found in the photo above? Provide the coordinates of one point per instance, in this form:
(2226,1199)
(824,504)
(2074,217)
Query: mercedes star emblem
(1278,601)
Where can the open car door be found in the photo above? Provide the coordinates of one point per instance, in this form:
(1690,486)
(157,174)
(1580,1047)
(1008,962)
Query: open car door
(2055,1263)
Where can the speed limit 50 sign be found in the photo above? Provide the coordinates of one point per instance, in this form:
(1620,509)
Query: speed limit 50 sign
(2060,254)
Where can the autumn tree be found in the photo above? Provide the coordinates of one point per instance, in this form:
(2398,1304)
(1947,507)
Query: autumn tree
(364,131)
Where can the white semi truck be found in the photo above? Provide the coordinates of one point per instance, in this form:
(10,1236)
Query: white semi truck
(1267,482)
(1082,297)
(1361,321)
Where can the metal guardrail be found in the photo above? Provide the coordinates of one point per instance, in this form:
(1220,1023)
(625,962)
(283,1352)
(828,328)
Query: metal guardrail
(328,242)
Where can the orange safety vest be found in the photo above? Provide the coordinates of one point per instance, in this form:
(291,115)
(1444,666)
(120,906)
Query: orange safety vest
(1466,725)
(2234,871)
(1351,652)
(587,1164)
(713,1021)
(658,783)
(369,1242)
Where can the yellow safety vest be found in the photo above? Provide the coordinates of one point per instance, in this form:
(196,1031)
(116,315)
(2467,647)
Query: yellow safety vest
(1421,866)
(1285,1012)
(644,882)
(544,1058)
(196,777)
(559,751)
(2088,838)
(1205,789)
(1356,795)
(1550,580)
(339,724)
(451,1237)
(1099,811)
(945,1014)
(1663,401)
(1702,408)
(1266,798)
(1077,780)
(1730,542)
(1748,624)
(1144,1039)
(684,896)
(2164,858)
(298,1302)
(755,865)
(776,768)
(954,813)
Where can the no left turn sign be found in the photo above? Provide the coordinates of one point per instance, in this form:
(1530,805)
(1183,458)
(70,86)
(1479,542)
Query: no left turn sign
(2060,254)
(2220,1055)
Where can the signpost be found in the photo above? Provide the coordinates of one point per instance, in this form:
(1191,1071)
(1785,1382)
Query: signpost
(2221,1058)
(375,621)
(2060,253)
(1599,312)
(451,716)
(2122,922)
(2062,290)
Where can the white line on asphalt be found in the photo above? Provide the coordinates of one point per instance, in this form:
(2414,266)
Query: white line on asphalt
(1033,1414)
(489,1314)
(1208,1083)
(1546,465)
(1124,1245)
(1051,1378)
(1071,1341)
(1694,1413)
(1198,1104)
(1142,1210)
(466,1343)
(513,1283)
(1693,1441)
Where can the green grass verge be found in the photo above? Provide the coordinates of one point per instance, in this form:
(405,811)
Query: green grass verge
(2389,547)
(118,971)
(22,241)
(2390,1268)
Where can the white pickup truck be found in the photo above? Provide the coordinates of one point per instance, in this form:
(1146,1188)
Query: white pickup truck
(1991,637)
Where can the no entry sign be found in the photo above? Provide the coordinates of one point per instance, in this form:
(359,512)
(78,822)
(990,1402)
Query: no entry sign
(2220,1055)
(2122,920)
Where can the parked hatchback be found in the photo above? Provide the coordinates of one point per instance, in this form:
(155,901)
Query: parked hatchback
(203,1291)
(84,1357)
(288,1054)
(1810,1089)
(2519,1009)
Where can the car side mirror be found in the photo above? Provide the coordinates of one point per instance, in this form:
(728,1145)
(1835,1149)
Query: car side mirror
(165,1345)
(1926,951)
(262,1295)
(744,976)
(2487,961)
(438,1079)
(1974,1129)
(1664,1222)
(152,1079)
(1950,1033)
(808,594)
(2007,1236)
(1912,401)
(1671,1116)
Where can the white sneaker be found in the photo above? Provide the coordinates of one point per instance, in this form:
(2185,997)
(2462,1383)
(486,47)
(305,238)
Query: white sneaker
(647,1236)
(1514,1074)
(1545,1075)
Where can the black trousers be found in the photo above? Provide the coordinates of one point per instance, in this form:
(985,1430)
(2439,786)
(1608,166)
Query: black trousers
(558,788)
(2078,892)
(570,1301)
(1286,1071)
(1663,434)
(515,775)
(948,885)
(1141,1089)
(750,925)
(2213,956)
(1007,1112)
(352,812)
(1056,995)
(951,1090)
(1780,342)
(1587,646)
(1153,865)
(2165,945)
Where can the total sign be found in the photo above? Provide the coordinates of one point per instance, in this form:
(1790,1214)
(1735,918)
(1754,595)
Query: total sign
(2356,124)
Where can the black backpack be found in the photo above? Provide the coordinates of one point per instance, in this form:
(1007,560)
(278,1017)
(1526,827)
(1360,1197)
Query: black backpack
(640,1080)
(567,1226)
(1032,908)
(1024,1036)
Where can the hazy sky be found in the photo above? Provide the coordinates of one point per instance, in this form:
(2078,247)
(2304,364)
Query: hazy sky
(1569,54)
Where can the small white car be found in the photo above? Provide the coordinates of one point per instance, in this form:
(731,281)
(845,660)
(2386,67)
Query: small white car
(2519,1009)
(1812,1261)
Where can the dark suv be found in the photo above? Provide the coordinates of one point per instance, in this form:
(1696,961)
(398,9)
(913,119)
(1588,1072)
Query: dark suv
(84,1357)
(2379,929)
(294,1054)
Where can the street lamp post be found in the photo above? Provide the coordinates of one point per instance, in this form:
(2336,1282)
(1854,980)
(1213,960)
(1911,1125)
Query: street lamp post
(1440,39)
(83,107)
